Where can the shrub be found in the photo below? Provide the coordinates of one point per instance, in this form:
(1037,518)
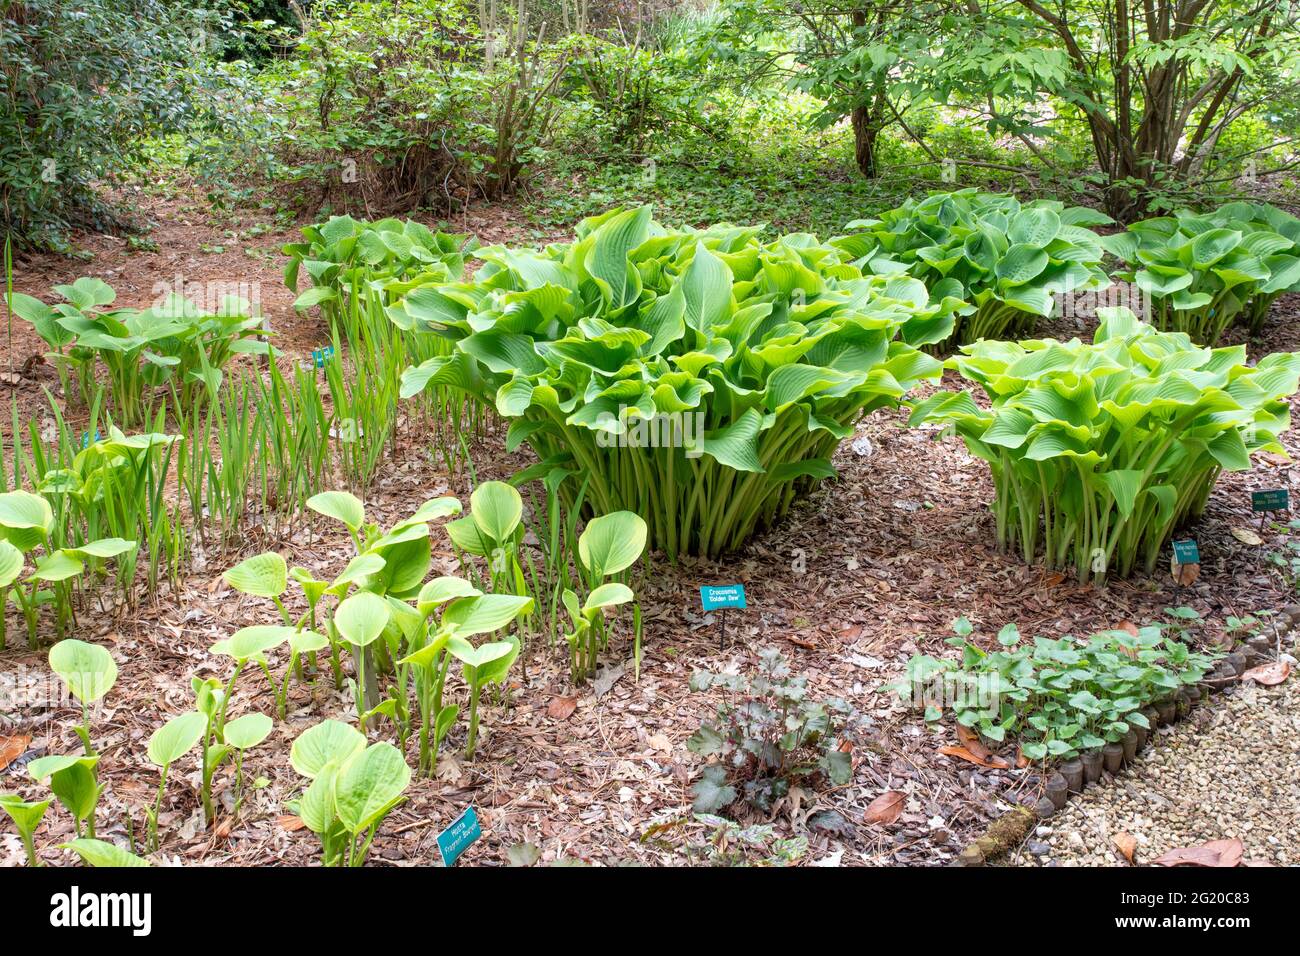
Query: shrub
(1098,452)
(1004,260)
(1054,697)
(1203,272)
(767,736)
(698,379)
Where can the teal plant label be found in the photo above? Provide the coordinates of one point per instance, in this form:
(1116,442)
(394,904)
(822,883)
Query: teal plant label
(458,837)
(722,596)
(1186,552)
(320,356)
(1275,500)
(87,439)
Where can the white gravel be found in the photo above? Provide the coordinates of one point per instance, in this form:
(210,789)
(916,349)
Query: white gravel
(1230,770)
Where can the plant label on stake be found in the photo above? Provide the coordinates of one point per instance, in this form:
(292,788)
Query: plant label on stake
(87,440)
(458,837)
(320,356)
(1275,499)
(719,598)
(1186,563)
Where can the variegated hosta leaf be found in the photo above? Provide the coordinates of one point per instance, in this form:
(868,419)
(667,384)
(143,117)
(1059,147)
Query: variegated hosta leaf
(1100,450)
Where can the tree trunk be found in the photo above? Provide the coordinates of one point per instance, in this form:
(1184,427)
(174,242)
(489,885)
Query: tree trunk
(866,127)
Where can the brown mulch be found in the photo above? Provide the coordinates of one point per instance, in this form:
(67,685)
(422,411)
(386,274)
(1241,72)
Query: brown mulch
(865,572)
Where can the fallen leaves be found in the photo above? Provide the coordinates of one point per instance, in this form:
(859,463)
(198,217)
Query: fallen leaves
(1126,844)
(561,708)
(1270,675)
(290,823)
(1246,536)
(11,748)
(1184,575)
(885,809)
(961,753)
(1214,853)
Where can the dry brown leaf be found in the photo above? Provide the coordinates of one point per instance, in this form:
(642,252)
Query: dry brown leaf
(290,823)
(1214,853)
(800,642)
(1246,536)
(1185,575)
(961,753)
(971,741)
(1270,675)
(1126,843)
(1128,627)
(1053,579)
(561,708)
(11,748)
(885,809)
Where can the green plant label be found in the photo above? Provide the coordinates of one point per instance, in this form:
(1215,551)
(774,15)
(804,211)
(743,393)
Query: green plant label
(1186,552)
(458,837)
(722,596)
(1275,500)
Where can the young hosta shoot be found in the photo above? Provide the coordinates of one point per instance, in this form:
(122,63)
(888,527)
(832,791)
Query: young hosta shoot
(100,853)
(26,525)
(494,530)
(26,817)
(243,733)
(701,379)
(1202,272)
(607,547)
(168,744)
(88,671)
(483,665)
(74,781)
(353,788)
(1098,452)
(1005,261)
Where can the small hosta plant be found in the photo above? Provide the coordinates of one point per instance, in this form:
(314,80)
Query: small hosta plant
(27,527)
(1203,272)
(1053,697)
(353,788)
(700,379)
(766,736)
(173,344)
(607,548)
(1100,451)
(27,817)
(1005,261)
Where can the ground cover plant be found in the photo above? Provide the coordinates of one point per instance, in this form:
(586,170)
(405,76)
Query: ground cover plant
(1099,451)
(699,379)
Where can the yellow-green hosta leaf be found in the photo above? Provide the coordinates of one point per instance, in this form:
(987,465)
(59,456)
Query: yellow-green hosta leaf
(497,509)
(99,853)
(609,594)
(329,742)
(361,618)
(251,643)
(612,543)
(247,731)
(176,738)
(369,784)
(20,510)
(11,565)
(87,669)
(484,614)
(263,575)
(341,506)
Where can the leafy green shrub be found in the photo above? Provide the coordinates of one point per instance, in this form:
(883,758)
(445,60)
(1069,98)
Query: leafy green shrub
(698,379)
(1005,260)
(173,344)
(767,736)
(1054,697)
(27,524)
(81,86)
(1203,272)
(1098,452)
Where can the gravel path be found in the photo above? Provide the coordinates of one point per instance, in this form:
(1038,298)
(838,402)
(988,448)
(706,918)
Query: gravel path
(1231,770)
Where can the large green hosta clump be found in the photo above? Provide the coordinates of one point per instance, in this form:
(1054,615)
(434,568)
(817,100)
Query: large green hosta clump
(1007,261)
(1099,451)
(1204,271)
(700,379)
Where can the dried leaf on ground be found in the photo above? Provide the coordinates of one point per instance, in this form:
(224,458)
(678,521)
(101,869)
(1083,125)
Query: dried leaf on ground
(11,748)
(1246,536)
(961,753)
(1126,843)
(561,708)
(1270,675)
(1214,853)
(885,809)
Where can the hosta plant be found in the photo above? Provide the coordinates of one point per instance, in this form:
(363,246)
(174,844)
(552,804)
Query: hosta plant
(607,548)
(1100,451)
(26,528)
(353,788)
(1006,261)
(1202,272)
(344,258)
(174,343)
(27,817)
(768,734)
(1053,697)
(698,379)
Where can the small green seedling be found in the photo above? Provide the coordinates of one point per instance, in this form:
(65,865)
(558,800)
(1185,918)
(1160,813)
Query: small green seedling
(98,853)
(73,780)
(242,733)
(27,817)
(168,744)
(89,673)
